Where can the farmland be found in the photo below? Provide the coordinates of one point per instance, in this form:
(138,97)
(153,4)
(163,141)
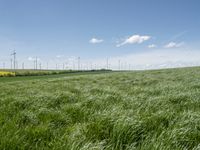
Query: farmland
(27,72)
(157,109)
(6,74)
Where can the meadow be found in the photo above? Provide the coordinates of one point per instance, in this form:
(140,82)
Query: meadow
(144,110)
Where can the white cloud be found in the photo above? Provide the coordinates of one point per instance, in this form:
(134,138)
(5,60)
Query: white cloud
(33,59)
(173,45)
(152,46)
(134,39)
(95,41)
(59,56)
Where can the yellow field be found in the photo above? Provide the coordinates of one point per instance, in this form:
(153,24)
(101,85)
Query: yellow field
(6,74)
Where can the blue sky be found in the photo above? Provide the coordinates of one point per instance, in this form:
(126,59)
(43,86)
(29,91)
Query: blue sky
(136,31)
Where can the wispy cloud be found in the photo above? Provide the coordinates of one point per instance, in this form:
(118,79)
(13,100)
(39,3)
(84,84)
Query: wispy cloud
(95,41)
(152,46)
(179,35)
(173,45)
(134,39)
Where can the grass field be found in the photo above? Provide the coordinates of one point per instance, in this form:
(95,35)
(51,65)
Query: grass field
(118,110)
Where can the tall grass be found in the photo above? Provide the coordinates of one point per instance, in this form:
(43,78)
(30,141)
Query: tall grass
(116,111)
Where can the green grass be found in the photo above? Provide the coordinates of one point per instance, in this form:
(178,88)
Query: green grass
(119,110)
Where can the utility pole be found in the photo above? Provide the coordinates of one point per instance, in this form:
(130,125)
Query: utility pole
(14,58)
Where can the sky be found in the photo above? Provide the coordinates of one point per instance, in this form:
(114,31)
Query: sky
(119,34)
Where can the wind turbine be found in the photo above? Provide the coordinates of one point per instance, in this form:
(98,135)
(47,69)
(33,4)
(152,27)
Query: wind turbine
(14,58)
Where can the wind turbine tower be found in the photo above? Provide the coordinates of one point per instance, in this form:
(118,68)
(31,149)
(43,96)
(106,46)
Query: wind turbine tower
(14,59)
